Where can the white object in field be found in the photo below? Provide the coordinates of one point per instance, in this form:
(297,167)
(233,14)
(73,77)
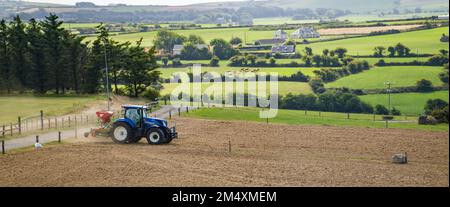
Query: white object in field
(400,158)
(38,146)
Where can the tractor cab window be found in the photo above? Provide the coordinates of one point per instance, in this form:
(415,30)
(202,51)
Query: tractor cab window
(134,115)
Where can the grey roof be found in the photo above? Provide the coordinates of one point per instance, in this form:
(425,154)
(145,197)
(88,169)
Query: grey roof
(283,49)
(270,41)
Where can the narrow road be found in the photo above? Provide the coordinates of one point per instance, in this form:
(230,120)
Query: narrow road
(47,137)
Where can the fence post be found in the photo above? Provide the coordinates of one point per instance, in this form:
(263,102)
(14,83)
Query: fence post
(187,109)
(373,117)
(59,137)
(49,124)
(306,112)
(320,114)
(42,120)
(179,111)
(69,121)
(62,122)
(19,122)
(348,115)
(170,114)
(76,130)
(37,138)
(11,128)
(3,131)
(3,147)
(87,119)
(56,123)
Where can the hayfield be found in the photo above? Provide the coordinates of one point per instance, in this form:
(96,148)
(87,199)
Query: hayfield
(423,42)
(167,72)
(407,103)
(284,87)
(298,117)
(400,76)
(13,106)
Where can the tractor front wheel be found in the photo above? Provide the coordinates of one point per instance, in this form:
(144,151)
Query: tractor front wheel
(156,136)
(121,133)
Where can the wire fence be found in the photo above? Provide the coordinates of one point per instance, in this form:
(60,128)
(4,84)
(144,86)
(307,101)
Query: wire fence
(41,122)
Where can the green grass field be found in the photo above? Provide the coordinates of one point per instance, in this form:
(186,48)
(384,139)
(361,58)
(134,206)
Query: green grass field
(167,72)
(312,118)
(401,76)
(407,103)
(26,106)
(284,88)
(423,42)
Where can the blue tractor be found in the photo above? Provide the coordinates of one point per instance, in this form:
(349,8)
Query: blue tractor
(136,124)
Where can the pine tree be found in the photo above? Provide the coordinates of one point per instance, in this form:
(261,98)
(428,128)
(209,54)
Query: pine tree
(4,58)
(17,51)
(38,73)
(53,50)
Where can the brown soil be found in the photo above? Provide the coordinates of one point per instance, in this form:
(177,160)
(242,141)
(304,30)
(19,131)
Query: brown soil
(261,155)
(364,30)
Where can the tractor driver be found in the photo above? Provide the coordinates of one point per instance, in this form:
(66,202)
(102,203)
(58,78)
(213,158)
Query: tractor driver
(134,115)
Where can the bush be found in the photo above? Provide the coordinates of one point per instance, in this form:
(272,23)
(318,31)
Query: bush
(329,101)
(395,112)
(272,61)
(434,104)
(424,86)
(214,61)
(381,110)
(437,60)
(317,86)
(176,62)
(151,94)
(441,115)
(165,60)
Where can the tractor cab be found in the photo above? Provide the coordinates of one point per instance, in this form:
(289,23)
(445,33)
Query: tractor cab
(136,124)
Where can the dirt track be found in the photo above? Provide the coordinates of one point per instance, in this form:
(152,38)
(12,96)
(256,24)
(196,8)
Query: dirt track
(262,155)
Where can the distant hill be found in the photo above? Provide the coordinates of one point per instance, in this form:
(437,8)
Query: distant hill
(212,12)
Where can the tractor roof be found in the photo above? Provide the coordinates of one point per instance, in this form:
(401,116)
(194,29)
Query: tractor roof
(134,106)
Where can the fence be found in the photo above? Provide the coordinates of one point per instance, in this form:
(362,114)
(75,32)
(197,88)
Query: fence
(41,123)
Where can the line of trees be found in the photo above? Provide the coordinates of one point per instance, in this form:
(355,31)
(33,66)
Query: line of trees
(43,57)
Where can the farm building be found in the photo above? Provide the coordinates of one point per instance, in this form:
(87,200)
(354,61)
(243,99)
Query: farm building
(305,32)
(270,41)
(178,48)
(280,34)
(283,49)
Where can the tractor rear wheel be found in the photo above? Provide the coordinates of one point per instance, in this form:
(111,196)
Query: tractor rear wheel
(121,133)
(156,136)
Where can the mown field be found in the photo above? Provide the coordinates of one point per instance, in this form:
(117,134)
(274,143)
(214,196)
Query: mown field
(312,118)
(25,106)
(423,42)
(167,72)
(400,76)
(407,103)
(284,87)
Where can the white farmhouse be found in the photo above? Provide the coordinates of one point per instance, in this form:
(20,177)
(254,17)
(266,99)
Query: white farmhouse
(280,34)
(305,32)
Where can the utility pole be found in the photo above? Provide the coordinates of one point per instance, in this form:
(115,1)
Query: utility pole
(389,85)
(107,79)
